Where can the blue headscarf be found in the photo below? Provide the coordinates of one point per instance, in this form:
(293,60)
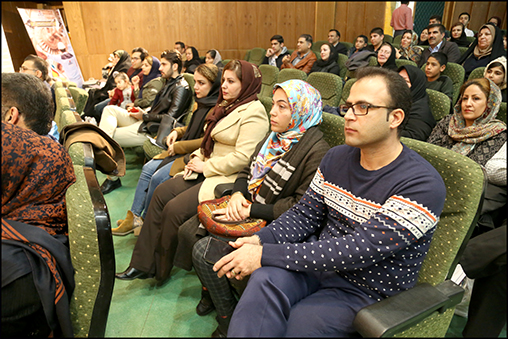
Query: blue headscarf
(154,73)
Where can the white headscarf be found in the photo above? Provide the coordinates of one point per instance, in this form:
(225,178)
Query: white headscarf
(502,61)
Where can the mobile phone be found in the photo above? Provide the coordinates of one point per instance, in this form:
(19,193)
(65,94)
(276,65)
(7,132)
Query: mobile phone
(216,249)
(192,176)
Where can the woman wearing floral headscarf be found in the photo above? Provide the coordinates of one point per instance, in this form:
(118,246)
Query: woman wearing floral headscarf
(279,173)
(408,48)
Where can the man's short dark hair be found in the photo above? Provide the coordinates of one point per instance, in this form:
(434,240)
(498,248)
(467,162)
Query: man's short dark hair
(440,57)
(32,98)
(398,90)
(174,57)
(438,17)
(377,30)
(143,52)
(40,64)
(364,37)
(336,31)
(442,28)
(181,44)
(404,2)
(466,13)
(307,38)
(277,37)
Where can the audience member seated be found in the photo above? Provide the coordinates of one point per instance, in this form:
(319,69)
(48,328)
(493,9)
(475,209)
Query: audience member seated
(495,20)
(238,123)
(193,60)
(464,18)
(37,273)
(377,36)
(296,141)
(487,47)
(149,71)
(436,80)
(334,40)
(180,47)
(276,52)
(458,35)
(123,92)
(420,122)
(328,62)
(438,19)
(121,63)
(213,57)
(496,71)
(156,171)
(307,275)
(302,58)
(438,43)
(386,56)
(129,128)
(424,36)
(408,50)
(473,130)
(361,43)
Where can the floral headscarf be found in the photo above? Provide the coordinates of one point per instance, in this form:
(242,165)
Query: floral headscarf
(306,112)
(483,128)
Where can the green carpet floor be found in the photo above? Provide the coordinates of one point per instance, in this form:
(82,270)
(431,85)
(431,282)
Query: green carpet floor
(141,309)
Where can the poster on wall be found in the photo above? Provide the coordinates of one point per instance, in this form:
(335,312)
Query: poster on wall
(49,37)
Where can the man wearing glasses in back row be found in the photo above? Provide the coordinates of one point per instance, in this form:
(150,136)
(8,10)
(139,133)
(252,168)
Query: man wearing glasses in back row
(358,235)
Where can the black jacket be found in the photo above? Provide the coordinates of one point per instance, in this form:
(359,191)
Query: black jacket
(278,61)
(340,48)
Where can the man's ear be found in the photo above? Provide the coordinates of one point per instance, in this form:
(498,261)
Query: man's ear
(175,67)
(442,68)
(396,118)
(12,116)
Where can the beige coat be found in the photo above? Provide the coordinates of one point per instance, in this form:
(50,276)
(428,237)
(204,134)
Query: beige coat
(235,137)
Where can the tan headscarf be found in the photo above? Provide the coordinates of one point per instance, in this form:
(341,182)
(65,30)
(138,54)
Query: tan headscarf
(479,52)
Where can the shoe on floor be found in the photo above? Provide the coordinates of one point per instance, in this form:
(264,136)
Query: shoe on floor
(132,273)
(205,305)
(222,330)
(126,227)
(110,185)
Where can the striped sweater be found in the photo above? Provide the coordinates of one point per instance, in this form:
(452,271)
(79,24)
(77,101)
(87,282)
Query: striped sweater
(373,227)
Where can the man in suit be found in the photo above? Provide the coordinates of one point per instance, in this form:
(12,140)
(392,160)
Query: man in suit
(334,40)
(302,58)
(438,43)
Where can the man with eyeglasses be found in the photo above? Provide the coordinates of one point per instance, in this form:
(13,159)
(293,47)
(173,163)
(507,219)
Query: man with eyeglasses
(358,235)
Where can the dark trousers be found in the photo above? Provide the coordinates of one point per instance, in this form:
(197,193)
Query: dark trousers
(173,202)
(398,32)
(278,303)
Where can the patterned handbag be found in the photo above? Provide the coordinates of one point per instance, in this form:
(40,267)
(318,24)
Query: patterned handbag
(218,228)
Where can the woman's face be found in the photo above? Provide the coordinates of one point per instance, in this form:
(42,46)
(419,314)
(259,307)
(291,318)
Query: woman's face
(403,73)
(231,86)
(473,104)
(280,115)
(116,58)
(456,31)
(325,52)
(496,74)
(494,21)
(406,40)
(424,35)
(208,59)
(146,67)
(201,85)
(188,53)
(484,38)
(383,54)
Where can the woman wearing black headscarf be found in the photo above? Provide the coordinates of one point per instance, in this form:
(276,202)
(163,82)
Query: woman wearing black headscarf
(421,121)
(95,96)
(328,62)
(386,56)
(487,47)
(193,60)
(458,35)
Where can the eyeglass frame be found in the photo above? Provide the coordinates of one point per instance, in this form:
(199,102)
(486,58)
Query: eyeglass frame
(369,106)
(26,68)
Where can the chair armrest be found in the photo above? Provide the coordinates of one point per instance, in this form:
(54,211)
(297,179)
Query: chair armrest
(89,155)
(400,312)
(223,189)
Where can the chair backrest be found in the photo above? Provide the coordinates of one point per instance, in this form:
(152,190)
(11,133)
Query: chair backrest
(269,78)
(388,38)
(346,89)
(440,104)
(246,56)
(476,73)
(470,39)
(463,50)
(457,73)
(400,62)
(291,73)
(329,85)
(501,115)
(333,129)
(316,46)
(397,39)
(347,44)
(80,97)
(341,60)
(256,55)
(267,102)
(190,80)
(225,61)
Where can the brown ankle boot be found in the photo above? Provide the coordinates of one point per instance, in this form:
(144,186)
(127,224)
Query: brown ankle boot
(119,222)
(126,226)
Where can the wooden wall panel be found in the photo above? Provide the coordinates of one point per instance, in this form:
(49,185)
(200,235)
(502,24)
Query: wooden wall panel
(479,13)
(325,20)
(341,15)
(498,9)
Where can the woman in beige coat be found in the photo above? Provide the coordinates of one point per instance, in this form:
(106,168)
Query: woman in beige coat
(238,123)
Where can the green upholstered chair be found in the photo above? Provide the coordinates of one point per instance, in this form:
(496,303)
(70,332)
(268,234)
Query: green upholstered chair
(92,254)
(333,129)
(388,38)
(346,89)
(457,73)
(62,104)
(341,60)
(190,79)
(476,73)
(501,115)
(440,104)
(329,85)
(397,39)
(471,39)
(269,78)
(291,73)
(246,56)
(290,51)
(463,50)
(80,97)
(256,55)
(267,102)
(427,309)
(400,62)
(225,61)
(347,44)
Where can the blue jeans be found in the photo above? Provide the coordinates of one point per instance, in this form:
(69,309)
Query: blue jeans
(149,179)
(100,107)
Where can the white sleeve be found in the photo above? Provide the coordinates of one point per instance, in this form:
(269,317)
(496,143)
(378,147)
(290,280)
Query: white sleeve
(496,167)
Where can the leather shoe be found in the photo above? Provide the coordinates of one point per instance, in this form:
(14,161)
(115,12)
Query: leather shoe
(132,273)
(205,305)
(110,185)
(222,330)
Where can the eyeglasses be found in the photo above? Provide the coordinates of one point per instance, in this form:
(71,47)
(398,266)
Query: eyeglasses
(362,108)
(23,68)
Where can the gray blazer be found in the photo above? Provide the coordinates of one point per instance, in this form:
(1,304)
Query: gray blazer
(447,47)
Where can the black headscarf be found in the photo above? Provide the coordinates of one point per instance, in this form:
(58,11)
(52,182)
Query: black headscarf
(122,65)
(334,55)
(421,121)
(423,43)
(462,40)
(497,45)
(195,59)
(390,63)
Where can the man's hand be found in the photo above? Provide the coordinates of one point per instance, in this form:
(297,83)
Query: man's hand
(286,59)
(241,262)
(137,115)
(269,52)
(170,140)
(128,107)
(135,81)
